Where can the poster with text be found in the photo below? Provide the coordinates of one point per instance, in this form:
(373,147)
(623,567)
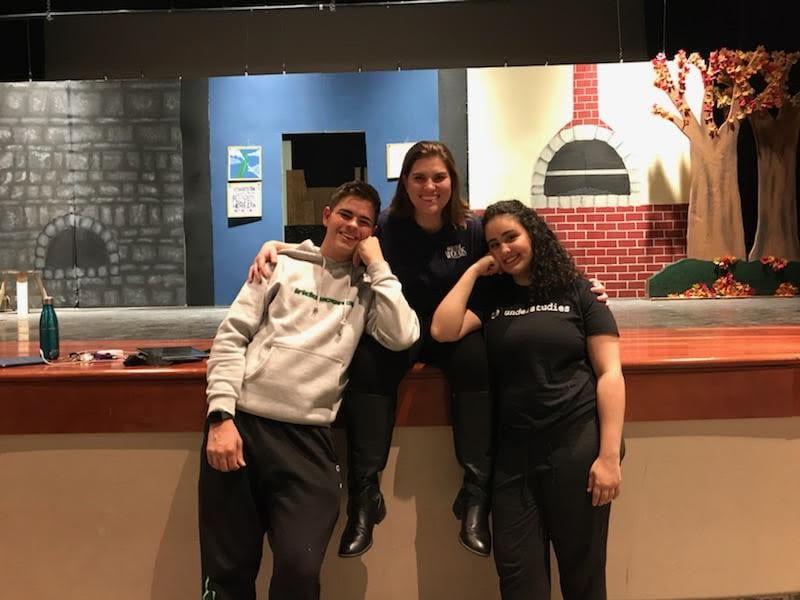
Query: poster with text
(244,199)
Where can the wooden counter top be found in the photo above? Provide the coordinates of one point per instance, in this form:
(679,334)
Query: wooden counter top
(671,374)
(65,369)
(709,347)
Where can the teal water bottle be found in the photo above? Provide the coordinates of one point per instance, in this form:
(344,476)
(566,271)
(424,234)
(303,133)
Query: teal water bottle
(48,330)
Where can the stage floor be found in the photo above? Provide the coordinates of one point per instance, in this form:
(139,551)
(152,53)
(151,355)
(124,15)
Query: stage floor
(202,322)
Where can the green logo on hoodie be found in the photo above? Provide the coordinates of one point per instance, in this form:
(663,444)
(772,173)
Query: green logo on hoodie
(313,296)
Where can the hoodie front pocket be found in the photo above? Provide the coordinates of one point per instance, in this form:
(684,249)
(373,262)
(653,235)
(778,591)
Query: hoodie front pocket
(255,365)
(305,378)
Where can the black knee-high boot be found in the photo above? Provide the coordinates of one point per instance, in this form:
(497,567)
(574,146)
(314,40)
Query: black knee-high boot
(472,434)
(369,420)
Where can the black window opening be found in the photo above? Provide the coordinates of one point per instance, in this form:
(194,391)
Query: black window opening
(329,159)
(315,164)
(586,168)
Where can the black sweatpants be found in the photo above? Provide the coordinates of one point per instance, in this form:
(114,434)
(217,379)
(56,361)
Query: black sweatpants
(376,371)
(289,490)
(539,496)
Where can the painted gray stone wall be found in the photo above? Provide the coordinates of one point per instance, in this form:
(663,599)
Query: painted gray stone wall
(91,190)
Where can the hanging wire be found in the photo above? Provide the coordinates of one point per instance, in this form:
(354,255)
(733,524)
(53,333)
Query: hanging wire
(28,42)
(664,29)
(247,43)
(619,31)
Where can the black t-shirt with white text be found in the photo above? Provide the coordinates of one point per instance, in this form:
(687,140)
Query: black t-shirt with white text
(428,265)
(538,357)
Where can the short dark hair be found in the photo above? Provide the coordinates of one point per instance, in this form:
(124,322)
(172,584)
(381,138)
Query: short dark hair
(359,189)
(456,210)
(553,269)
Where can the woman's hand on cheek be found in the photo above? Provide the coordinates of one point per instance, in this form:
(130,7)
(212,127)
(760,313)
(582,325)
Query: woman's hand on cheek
(486,266)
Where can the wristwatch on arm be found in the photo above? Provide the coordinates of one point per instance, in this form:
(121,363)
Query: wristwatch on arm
(218,416)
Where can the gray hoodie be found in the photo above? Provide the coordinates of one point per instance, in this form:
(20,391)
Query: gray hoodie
(283,350)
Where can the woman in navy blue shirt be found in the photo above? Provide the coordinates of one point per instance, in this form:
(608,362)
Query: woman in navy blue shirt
(429,239)
(560,395)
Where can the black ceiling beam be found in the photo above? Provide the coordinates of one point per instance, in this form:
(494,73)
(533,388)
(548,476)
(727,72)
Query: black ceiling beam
(473,33)
(712,24)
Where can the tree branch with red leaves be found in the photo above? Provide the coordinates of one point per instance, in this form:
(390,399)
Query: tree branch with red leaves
(726,79)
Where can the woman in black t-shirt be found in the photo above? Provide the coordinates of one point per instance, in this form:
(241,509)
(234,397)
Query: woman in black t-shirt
(556,377)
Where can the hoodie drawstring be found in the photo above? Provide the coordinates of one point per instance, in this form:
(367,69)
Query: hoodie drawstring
(346,305)
(318,285)
(346,308)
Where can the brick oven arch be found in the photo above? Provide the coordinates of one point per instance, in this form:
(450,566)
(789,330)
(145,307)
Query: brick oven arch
(584,133)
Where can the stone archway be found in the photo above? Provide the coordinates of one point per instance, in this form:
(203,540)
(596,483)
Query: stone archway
(89,228)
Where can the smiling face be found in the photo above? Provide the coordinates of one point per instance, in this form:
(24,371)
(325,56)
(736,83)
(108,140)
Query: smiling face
(511,246)
(347,223)
(429,188)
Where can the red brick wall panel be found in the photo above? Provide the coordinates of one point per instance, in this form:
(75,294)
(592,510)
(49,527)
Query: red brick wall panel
(623,245)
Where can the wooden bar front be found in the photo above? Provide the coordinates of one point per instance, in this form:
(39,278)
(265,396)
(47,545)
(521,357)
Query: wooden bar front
(671,374)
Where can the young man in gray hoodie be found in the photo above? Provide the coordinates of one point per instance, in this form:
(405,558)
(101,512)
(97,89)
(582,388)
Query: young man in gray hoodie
(277,370)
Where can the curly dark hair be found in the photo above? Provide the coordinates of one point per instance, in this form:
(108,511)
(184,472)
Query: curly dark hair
(553,269)
(456,211)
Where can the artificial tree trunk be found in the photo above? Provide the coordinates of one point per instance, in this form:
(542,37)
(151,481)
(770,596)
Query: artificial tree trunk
(776,145)
(714,227)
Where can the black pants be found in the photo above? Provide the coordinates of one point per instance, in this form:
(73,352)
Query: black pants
(540,496)
(289,490)
(369,406)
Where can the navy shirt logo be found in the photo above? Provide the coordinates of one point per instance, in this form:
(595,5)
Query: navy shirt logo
(456,251)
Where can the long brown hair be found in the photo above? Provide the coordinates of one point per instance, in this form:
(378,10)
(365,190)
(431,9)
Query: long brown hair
(456,211)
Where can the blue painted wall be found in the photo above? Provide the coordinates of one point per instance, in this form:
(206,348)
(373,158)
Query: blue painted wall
(388,106)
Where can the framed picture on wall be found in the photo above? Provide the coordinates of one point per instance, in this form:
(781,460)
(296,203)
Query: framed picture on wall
(244,163)
(244,199)
(395,153)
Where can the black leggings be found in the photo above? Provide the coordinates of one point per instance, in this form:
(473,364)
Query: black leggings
(539,497)
(369,406)
(289,490)
(377,370)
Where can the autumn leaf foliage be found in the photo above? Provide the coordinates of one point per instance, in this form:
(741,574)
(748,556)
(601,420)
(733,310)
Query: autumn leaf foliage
(727,84)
